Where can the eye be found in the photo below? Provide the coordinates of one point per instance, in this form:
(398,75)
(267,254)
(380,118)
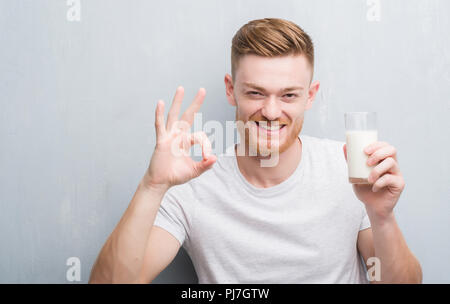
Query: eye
(290,95)
(253,93)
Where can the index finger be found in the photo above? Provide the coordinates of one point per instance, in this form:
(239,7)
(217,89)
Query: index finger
(188,115)
(374,146)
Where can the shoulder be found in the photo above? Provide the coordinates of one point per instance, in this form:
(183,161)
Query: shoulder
(215,179)
(180,192)
(328,160)
(322,142)
(326,155)
(325,148)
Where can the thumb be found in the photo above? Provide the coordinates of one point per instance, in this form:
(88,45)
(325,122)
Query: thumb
(345,151)
(205,164)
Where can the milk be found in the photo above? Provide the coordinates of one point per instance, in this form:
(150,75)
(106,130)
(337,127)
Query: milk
(358,170)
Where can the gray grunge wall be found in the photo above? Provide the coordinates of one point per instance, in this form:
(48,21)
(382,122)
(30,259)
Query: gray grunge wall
(79,81)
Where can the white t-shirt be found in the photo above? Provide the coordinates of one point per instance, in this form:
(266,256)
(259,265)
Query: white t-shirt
(303,230)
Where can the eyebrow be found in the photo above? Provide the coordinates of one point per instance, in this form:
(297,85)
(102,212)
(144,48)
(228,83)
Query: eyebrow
(254,86)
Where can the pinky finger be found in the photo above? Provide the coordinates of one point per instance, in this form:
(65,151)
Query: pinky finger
(388,180)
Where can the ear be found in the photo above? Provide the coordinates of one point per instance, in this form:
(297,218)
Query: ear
(229,89)
(313,88)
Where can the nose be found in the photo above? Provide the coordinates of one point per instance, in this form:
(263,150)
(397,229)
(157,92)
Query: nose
(271,109)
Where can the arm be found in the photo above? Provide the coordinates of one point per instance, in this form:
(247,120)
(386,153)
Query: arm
(122,257)
(136,251)
(384,240)
(162,247)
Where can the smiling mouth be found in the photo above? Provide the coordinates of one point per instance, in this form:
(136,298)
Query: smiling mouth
(269,128)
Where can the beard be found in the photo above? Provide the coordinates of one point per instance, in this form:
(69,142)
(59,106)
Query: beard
(263,144)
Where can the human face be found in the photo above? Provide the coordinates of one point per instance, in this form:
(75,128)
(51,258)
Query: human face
(271,91)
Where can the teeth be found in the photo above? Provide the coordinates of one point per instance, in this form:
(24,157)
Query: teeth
(270,128)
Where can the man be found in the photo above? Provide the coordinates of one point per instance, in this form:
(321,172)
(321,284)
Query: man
(295,222)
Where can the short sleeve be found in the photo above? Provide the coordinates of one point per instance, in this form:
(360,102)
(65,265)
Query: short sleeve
(176,211)
(365,222)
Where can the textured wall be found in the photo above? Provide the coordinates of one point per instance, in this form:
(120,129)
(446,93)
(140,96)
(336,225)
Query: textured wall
(78,87)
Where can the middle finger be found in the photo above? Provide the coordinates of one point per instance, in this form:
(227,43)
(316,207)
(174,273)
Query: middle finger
(381,154)
(175,108)
(188,115)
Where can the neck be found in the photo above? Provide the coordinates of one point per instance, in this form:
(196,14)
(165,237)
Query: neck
(264,177)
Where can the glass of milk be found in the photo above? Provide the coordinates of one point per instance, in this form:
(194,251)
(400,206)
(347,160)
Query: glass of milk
(360,131)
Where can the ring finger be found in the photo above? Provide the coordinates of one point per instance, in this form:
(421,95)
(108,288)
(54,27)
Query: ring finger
(387,165)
